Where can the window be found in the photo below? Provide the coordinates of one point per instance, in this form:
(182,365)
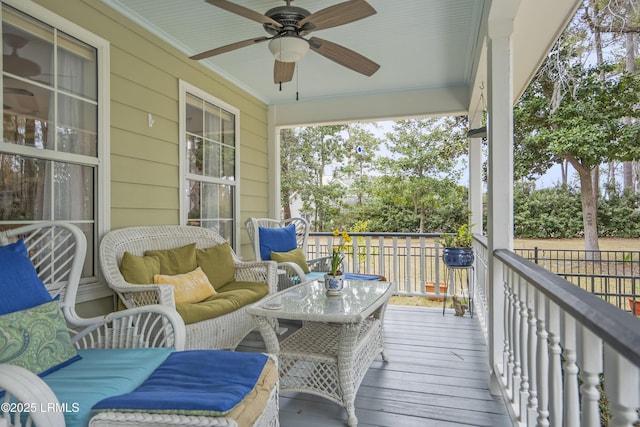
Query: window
(53,142)
(209,160)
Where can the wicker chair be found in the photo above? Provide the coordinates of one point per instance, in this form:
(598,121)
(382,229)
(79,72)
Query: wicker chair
(57,250)
(222,332)
(289,273)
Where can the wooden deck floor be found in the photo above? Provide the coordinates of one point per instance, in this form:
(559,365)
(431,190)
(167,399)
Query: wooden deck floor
(437,375)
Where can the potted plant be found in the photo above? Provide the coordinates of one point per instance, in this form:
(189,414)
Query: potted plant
(457,248)
(334,280)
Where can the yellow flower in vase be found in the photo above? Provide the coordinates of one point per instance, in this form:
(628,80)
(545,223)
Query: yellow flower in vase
(337,253)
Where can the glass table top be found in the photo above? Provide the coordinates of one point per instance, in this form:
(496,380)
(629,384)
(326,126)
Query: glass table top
(310,299)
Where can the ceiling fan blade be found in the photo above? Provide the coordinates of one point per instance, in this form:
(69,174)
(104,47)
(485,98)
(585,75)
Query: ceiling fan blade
(244,12)
(228,48)
(283,71)
(343,56)
(338,14)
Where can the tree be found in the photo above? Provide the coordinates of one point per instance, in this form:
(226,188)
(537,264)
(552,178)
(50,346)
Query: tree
(584,126)
(361,148)
(620,20)
(292,175)
(308,154)
(424,149)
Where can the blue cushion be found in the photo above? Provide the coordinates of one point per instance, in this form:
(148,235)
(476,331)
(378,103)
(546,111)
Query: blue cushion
(276,240)
(356,276)
(18,279)
(99,374)
(193,382)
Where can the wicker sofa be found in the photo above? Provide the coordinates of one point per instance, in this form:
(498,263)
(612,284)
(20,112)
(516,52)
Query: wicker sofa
(223,331)
(60,369)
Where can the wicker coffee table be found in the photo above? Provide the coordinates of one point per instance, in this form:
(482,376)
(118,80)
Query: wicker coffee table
(341,335)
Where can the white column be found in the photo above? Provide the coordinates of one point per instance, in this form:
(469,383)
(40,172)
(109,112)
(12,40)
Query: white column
(475,183)
(500,174)
(273,142)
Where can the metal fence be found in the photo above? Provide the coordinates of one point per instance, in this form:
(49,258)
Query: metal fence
(414,262)
(612,275)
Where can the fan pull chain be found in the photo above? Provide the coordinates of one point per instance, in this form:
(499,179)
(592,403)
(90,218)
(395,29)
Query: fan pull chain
(297,82)
(280,86)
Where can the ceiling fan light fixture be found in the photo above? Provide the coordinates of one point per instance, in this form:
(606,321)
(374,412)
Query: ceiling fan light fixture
(288,48)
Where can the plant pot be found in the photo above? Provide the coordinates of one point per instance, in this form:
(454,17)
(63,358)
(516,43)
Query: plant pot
(430,288)
(634,306)
(458,257)
(334,284)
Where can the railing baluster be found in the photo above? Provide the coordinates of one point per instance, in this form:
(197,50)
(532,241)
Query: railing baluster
(532,347)
(524,351)
(571,414)
(381,257)
(542,362)
(515,339)
(590,369)
(407,265)
(508,355)
(555,369)
(622,386)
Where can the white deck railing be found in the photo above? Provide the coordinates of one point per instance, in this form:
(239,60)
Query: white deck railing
(408,259)
(551,343)
(557,346)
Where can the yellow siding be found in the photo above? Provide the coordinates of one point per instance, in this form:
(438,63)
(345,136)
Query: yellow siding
(144,161)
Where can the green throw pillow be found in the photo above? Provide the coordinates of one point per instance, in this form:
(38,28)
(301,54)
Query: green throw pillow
(139,269)
(176,261)
(36,339)
(217,263)
(294,255)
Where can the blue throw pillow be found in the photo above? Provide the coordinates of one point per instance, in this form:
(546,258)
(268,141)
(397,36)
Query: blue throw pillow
(276,240)
(19,282)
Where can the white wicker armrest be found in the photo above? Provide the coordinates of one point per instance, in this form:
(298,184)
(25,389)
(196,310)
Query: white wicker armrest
(35,397)
(141,295)
(258,271)
(141,327)
(320,264)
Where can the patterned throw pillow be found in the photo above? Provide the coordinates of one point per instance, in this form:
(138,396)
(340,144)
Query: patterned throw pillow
(189,287)
(36,339)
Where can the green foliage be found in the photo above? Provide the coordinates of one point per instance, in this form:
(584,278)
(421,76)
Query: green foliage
(547,213)
(619,215)
(557,213)
(461,239)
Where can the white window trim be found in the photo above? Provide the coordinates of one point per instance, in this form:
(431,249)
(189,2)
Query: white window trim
(93,288)
(185,88)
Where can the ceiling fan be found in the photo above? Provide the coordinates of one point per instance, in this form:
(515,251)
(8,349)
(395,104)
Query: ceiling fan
(15,64)
(288,25)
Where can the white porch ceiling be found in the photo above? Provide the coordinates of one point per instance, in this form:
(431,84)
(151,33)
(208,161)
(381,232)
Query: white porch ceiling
(430,52)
